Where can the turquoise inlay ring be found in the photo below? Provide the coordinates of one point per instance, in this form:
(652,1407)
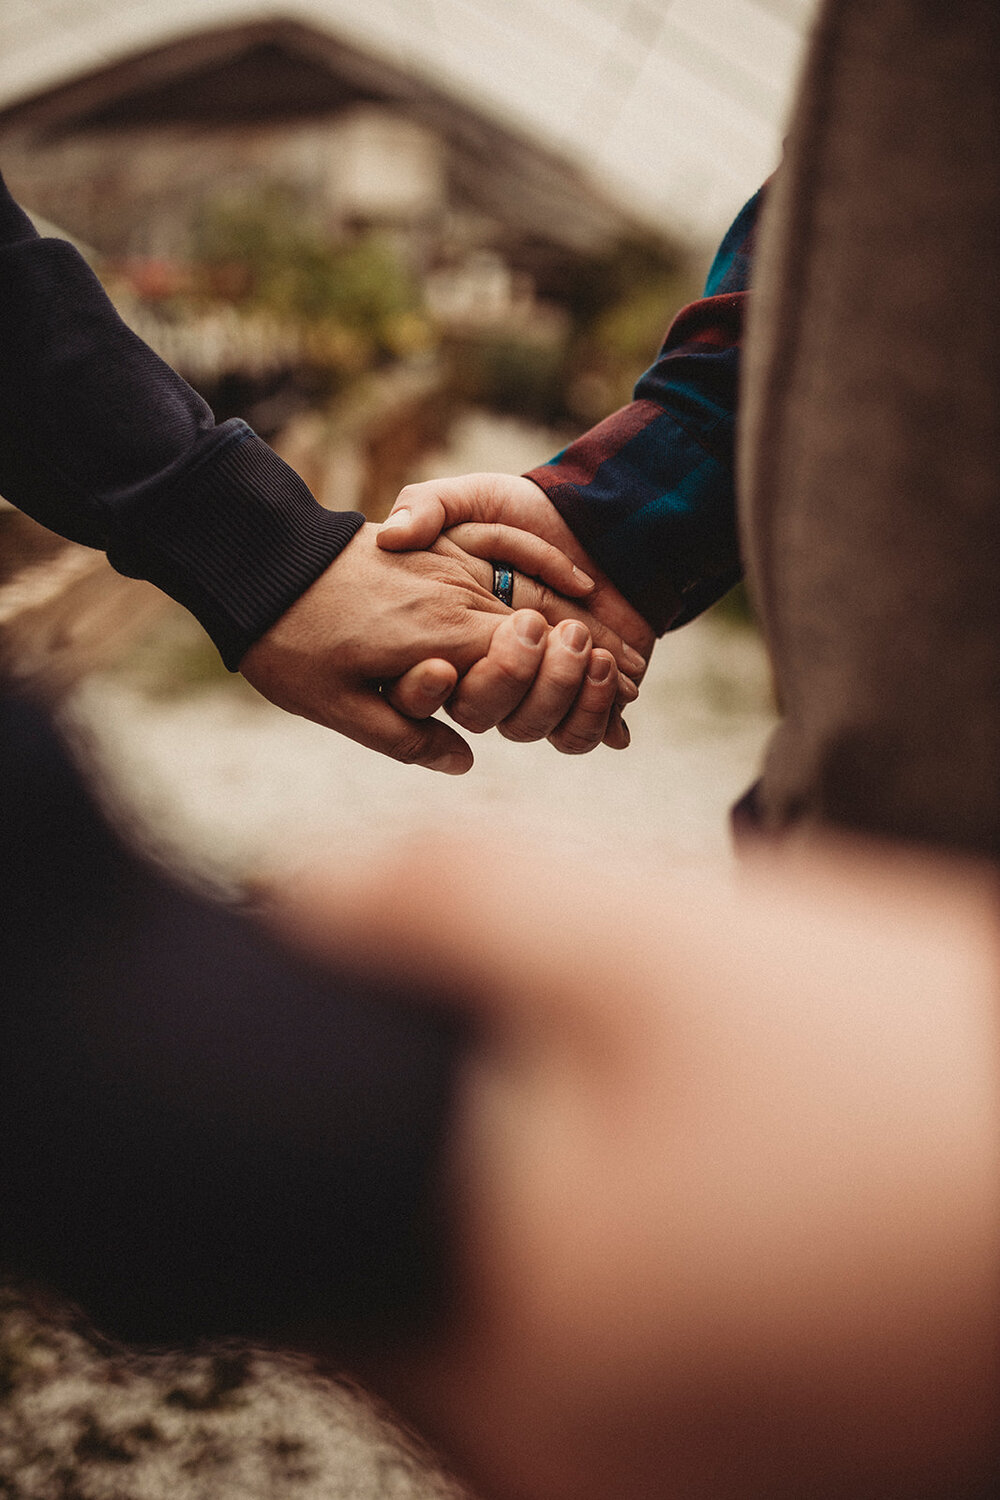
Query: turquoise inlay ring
(503,583)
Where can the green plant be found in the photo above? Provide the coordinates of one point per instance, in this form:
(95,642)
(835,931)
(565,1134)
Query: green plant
(265,252)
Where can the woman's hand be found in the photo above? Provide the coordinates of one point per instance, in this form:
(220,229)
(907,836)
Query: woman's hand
(563,685)
(423,511)
(380,641)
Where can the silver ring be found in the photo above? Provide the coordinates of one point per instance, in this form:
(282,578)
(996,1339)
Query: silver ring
(503,583)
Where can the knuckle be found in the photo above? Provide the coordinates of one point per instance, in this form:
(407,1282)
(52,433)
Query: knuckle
(520,731)
(574,741)
(512,675)
(556,606)
(467,717)
(530,593)
(565,674)
(408,746)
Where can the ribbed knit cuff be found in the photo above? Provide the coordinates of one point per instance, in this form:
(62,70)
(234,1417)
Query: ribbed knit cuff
(236,541)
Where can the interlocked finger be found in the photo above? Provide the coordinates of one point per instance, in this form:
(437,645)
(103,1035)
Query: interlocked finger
(529,554)
(617,734)
(556,687)
(424,689)
(529,593)
(589,720)
(494,687)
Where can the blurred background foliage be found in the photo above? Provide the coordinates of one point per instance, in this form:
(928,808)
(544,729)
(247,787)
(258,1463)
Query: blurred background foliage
(263,251)
(619,306)
(354,303)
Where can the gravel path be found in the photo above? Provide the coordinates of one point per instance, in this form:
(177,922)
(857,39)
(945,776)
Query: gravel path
(81,1420)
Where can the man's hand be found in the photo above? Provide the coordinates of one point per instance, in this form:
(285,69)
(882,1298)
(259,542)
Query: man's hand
(429,618)
(423,511)
(724,1173)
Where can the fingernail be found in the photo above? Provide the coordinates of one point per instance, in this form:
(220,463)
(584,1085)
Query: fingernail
(601,669)
(396,518)
(633,660)
(452,763)
(575,637)
(583,579)
(529,628)
(627,688)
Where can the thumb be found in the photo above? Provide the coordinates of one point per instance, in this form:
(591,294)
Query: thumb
(424,689)
(415,525)
(423,511)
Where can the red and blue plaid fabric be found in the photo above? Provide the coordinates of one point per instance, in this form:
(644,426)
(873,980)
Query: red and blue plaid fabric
(650,491)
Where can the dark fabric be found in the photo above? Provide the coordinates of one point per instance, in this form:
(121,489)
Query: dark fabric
(649,491)
(870,464)
(200,1134)
(105,444)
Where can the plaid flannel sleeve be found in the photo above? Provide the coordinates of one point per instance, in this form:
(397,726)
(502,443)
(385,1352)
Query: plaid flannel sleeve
(649,492)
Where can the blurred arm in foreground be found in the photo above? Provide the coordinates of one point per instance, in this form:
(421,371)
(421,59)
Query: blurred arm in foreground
(614,1185)
(724,1179)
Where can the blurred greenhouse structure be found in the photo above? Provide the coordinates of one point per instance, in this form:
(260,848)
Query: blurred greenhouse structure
(676,105)
(349,224)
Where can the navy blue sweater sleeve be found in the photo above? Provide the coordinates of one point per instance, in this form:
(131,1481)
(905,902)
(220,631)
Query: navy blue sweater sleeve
(105,444)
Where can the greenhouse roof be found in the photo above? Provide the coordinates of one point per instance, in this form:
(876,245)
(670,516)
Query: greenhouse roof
(676,106)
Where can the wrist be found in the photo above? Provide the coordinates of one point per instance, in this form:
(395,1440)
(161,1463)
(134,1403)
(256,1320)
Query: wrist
(236,540)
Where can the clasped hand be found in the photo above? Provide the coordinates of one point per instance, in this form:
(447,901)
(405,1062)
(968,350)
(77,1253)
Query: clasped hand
(380,641)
